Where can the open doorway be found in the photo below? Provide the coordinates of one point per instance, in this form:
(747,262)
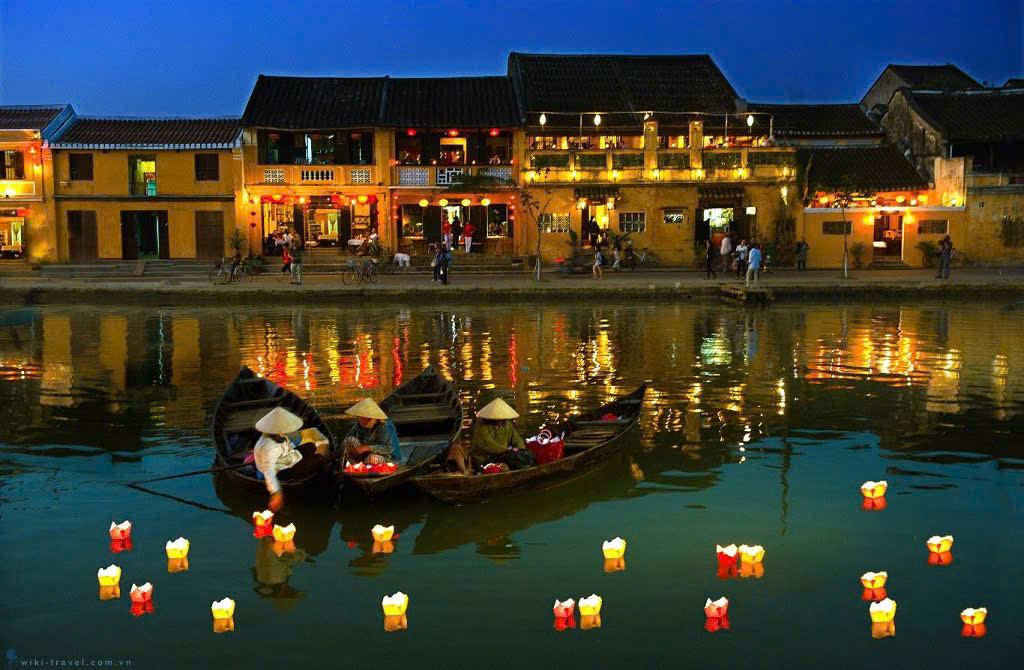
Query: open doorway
(888,238)
(144,235)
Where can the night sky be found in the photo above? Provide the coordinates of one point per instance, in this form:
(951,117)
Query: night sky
(196,57)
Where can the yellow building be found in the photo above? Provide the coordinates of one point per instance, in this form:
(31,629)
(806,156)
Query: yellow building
(146,189)
(26,180)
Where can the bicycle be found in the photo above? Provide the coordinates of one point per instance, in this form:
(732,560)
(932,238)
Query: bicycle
(644,257)
(367,272)
(958,259)
(222,274)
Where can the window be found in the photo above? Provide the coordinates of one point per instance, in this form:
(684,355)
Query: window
(933,227)
(142,175)
(553,223)
(412,221)
(318,148)
(632,222)
(14,165)
(80,167)
(836,227)
(408,149)
(207,167)
(677,216)
(497,221)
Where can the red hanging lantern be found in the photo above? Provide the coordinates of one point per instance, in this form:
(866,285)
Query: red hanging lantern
(453,133)
(411,132)
(494,132)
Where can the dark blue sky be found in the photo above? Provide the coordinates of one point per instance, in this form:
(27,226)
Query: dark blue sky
(201,57)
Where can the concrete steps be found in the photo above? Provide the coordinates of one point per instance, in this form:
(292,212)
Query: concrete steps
(89,270)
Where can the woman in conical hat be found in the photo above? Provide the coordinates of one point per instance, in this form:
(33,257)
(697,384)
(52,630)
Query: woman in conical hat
(275,453)
(493,436)
(374,438)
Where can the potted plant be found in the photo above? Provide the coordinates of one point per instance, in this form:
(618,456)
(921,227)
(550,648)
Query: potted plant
(928,251)
(857,251)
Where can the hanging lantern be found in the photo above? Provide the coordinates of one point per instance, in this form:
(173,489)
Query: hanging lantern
(120,531)
(453,133)
(110,592)
(716,608)
(750,120)
(614,548)
(938,545)
(443,202)
(726,555)
(395,605)
(466,202)
(582,203)
(874,580)
(141,594)
(109,576)
(284,533)
(871,489)
(302,200)
(590,605)
(363,199)
(223,609)
(382,533)
(564,608)
(411,132)
(178,548)
(543,119)
(883,611)
(494,132)
(177,565)
(974,616)
(485,202)
(900,199)
(277,196)
(597,120)
(751,554)
(424,202)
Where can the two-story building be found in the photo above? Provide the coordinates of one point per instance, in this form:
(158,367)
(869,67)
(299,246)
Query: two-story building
(26,180)
(146,189)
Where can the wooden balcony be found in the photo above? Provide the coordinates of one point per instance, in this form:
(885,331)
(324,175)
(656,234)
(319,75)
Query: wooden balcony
(443,176)
(313,175)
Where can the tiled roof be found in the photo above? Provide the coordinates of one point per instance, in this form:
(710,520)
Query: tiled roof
(89,133)
(314,102)
(1014,83)
(28,118)
(980,116)
(451,101)
(936,77)
(818,120)
(565,86)
(878,168)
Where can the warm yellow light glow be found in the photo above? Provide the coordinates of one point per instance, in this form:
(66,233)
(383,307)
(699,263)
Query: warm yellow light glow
(597,119)
(443,202)
(543,119)
(582,203)
(883,612)
(614,548)
(900,199)
(395,605)
(424,202)
(485,202)
(823,199)
(750,120)
(466,202)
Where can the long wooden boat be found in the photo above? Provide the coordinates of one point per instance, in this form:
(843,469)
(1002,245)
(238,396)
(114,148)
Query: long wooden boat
(245,402)
(427,412)
(588,443)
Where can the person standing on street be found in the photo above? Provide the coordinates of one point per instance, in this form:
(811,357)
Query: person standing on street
(801,254)
(445,263)
(754,265)
(741,259)
(709,253)
(726,251)
(446,231)
(296,252)
(467,235)
(945,258)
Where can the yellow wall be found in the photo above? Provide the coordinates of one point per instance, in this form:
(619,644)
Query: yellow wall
(34,193)
(986,207)
(175,173)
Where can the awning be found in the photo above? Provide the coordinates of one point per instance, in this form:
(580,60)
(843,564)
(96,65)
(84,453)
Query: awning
(596,192)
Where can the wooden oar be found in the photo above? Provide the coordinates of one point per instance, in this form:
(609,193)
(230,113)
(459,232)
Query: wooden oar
(186,474)
(192,503)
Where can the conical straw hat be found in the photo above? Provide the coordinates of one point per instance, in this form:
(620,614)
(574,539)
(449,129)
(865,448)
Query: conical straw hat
(367,409)
(498,410)
(279,421)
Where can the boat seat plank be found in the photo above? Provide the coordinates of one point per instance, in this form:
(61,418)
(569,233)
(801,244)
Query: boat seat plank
(239,422)
(417,413)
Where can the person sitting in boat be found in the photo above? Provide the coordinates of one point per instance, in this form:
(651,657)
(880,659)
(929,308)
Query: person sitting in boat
(274,453)
(374,438)
(495,439)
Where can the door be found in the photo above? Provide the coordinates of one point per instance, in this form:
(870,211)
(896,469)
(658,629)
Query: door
(432,224)
(129,250)
(83,244)
(478,217)
(888,237)
(210,235)
(144,236)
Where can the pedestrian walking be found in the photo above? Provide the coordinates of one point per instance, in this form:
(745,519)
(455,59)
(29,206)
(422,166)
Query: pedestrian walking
(754,265)
(456,232)
(945,258)
(467,235)
(296,252)
(710,252)
(446,231)
(435,260)
(445,263)
(741,259)
(726,251)
(801,254)
(286,256)
(617,253)
(598,259)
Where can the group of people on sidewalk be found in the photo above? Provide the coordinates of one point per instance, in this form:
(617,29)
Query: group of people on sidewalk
(291,253)
(746,259)
(455,228)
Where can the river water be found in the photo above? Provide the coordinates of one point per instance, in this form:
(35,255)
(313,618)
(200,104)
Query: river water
(759,428)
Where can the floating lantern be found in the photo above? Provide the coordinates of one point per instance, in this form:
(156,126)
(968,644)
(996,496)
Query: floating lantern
(109,576)
(872,504)
(591,605)
(727,571)
(881,629)
(974,630)
(974,616)
(383,547)
(382,533)
(614,548)
(755,570)
(874,580)
(942,558)
(223,609)
(726,555)
(562,623)
(590,621)
(263,518)
(882,611)
(751,554)
(716,623)
(564,608)
(177,565)
(262,531)
(224,625)
(870,595)
(140,608)
(395,605)
(938,545)
(141,594)
(716,608)
(871,489)
(117,546)
(178,548)
(284,533)
(395,622)
(281,548)
(110,592)
(120,531)
(614,565)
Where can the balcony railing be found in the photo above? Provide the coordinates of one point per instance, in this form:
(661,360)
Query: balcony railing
(337,175)
(447,175)
(669,165)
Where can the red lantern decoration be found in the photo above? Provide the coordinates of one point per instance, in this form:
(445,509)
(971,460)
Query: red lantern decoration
(23,211)
(411,132)
(453,133)
(562,623)
(873,504)
(715,624)
(117,546)
(140,608)
(943,558)
(494,132)
(874,595)
(363,199)
(973,630)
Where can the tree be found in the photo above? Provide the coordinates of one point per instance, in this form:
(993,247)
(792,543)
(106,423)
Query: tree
(843,197)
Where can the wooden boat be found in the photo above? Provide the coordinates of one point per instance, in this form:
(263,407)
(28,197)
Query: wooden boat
(588,443)
(427,412)
(246,401)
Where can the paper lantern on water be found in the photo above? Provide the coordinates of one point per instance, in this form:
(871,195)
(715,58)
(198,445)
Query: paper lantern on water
(942,558)
(755,570)
(938,545)
(383,547)
(873,503)
(716,623)
(751,554)
(284,533)
(177,565)
(874,594)
(109,576)
(120,531)
(396,604)
(396,622)
(224,625)
(716,608)
(140,608)
(881,629)
(726,555)
(973,630)
(590,621)
(223,609)
(874,580)
(614,548)
(590,605)
(564,608)
(727,571)
(882,611)
(973,615)
(117,546)
(382,533)
(262,531)
(264,518)
(871,489)
(110,592)
(281,548)
(141,594)
(564,622)
(614,565)
(177,549)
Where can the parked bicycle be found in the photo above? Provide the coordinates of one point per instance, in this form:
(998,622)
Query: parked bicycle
(367,272)
(222,274)
(958,259)
(644,257)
